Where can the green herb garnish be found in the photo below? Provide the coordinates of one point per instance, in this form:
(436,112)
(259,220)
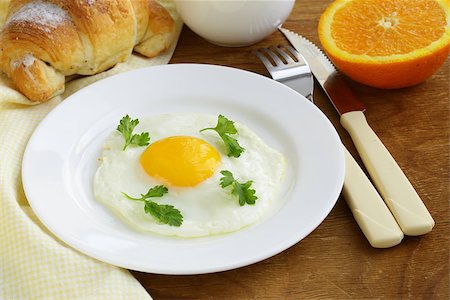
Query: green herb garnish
(126,127)
(245,194)
(163,214)
(224,128)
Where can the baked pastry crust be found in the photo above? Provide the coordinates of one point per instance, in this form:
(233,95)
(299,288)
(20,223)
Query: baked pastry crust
(43,41)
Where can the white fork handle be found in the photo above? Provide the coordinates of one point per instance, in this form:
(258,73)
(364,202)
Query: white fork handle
(368,208)
(396,190)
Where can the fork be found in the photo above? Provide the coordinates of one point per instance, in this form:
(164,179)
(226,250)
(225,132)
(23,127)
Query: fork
(287,66)
(292,71)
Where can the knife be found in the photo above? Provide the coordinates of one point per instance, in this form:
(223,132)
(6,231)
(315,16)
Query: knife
(367,206)
(395,188)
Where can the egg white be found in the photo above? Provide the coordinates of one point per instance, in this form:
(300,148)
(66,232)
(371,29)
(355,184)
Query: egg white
(207,208)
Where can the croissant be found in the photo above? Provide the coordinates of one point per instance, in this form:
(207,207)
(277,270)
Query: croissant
(43,41)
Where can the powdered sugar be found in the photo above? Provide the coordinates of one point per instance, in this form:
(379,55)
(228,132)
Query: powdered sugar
(43,13)
(28,60)
(15,64)
(90,2)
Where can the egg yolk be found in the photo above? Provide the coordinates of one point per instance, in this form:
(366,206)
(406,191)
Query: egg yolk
(181,161)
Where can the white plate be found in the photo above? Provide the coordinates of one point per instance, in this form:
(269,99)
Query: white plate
(61,159)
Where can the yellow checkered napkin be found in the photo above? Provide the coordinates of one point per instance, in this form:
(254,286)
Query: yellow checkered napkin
(33,263)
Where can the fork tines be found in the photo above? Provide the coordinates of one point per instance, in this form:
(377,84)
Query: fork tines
(287,66)
(280,56)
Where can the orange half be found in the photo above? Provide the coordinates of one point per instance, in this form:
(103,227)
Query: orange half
(387,43)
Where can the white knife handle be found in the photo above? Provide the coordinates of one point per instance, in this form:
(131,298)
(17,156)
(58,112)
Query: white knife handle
(369,210)
(396,190)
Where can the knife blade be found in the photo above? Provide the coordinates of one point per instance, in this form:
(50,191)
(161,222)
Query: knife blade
(397,191)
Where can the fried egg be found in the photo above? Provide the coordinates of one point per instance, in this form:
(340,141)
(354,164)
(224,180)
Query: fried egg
(188,163)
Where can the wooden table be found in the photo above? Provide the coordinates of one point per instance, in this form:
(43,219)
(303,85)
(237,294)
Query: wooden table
(336,261)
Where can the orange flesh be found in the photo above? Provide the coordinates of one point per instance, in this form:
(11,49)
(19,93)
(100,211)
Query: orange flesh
(383,28)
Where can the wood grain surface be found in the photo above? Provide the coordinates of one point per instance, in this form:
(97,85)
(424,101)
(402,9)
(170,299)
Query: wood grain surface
(335,261)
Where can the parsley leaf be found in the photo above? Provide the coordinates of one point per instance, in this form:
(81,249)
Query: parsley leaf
(156,191)
(142,139)
(233,147)
(227,178)
(163,214)
(225,125)
(126,127)
(245,194)
(224,128)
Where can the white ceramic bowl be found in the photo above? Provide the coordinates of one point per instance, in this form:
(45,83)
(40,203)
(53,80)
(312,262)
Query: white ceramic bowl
(234,22)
